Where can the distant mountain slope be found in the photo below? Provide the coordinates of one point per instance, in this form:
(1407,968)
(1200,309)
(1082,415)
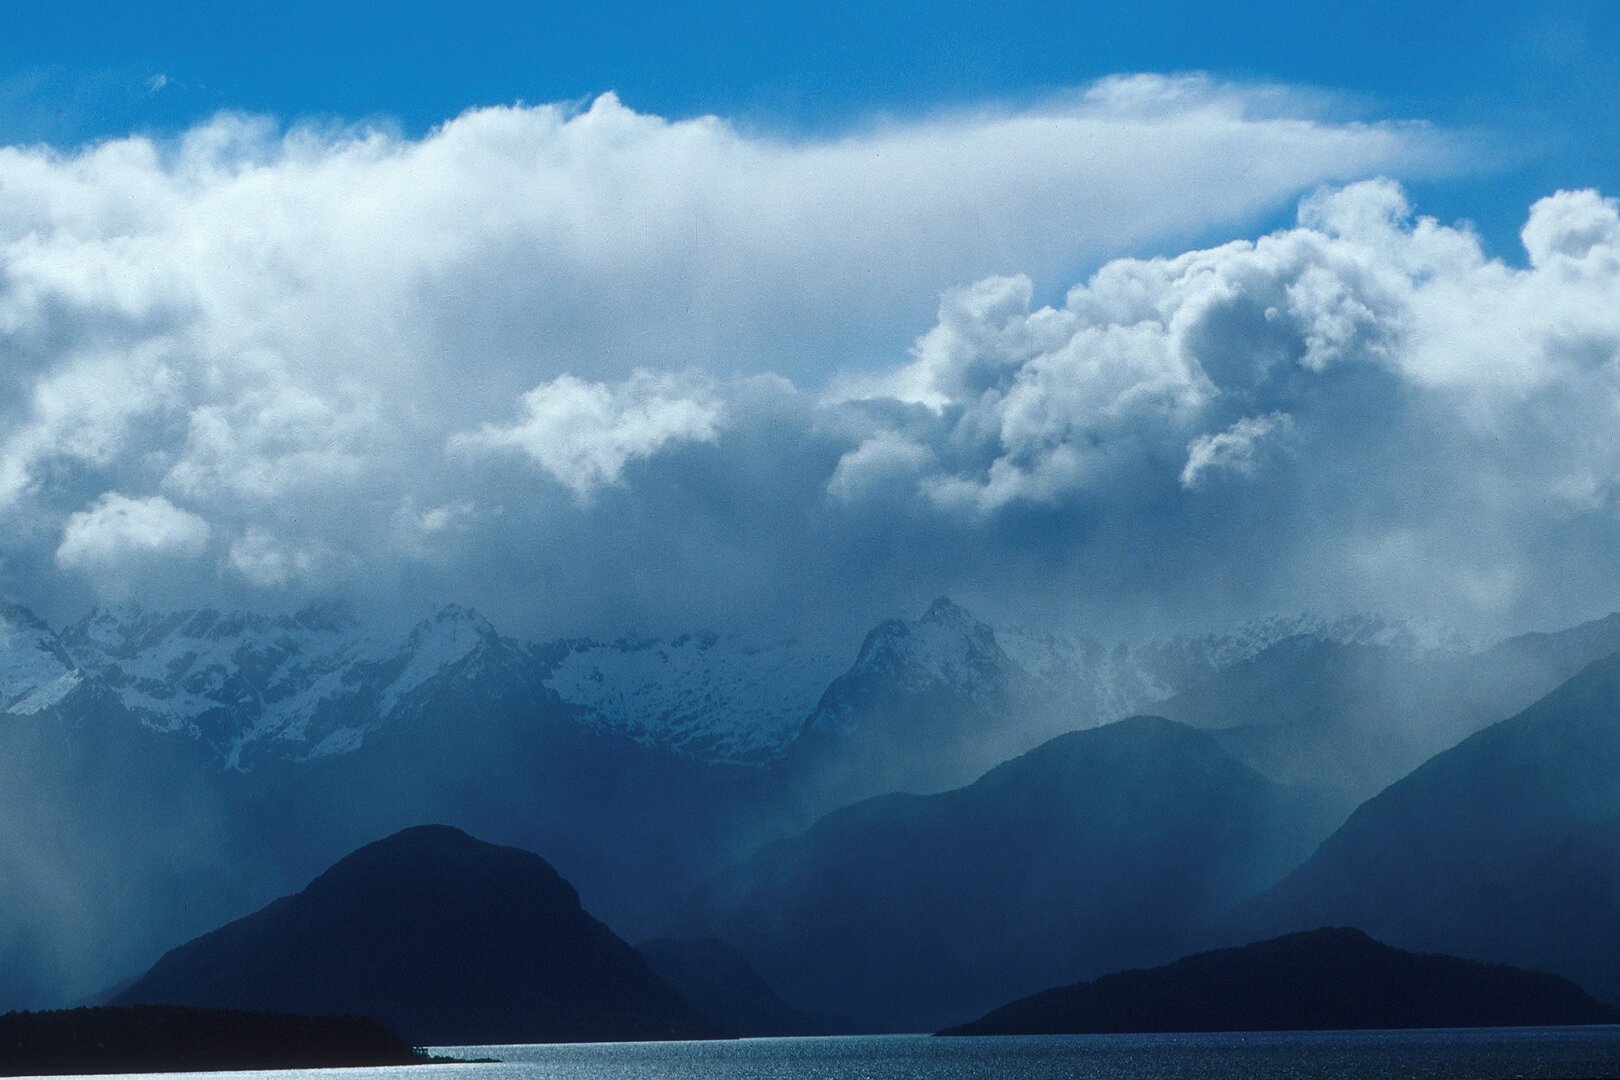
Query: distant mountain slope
(1360,714)
(1505,848)
(261,690)
(927,705)
(1099,849)
(160,773)
(1317,980)
(719,982)
(446,939)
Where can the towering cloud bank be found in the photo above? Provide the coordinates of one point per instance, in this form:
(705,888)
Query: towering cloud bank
(559,359)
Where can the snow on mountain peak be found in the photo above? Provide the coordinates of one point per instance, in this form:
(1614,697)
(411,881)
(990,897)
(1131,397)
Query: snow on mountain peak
(945,645)
(305,684)
(35,672)
(711,696)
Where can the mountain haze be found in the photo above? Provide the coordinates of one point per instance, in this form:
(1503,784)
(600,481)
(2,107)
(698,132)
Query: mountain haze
(1504,848)
(1359,714)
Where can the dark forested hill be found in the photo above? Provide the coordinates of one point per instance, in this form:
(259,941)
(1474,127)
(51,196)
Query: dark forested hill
(446,939)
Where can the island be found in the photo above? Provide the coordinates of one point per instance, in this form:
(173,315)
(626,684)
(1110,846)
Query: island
(1334,978)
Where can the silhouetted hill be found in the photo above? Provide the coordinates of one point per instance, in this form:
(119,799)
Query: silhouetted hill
(446,939)
(1504,848)
(720,983)
(1098,850)
(1329,979)
(166,1038)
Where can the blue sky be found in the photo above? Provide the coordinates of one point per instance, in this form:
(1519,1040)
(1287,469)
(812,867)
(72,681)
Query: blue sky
(1113,317)
(1538,80)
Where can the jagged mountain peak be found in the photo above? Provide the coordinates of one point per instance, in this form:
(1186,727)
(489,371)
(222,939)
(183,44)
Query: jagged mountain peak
(453,623)
(946,612)
(944,654)
(326,615)
(943,644)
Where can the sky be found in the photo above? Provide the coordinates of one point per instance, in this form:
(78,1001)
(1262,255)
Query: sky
(1107,317)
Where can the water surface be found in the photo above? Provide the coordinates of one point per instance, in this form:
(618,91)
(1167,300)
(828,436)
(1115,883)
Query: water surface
(1481,1054)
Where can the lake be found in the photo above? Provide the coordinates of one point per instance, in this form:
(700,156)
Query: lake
(1363,1055)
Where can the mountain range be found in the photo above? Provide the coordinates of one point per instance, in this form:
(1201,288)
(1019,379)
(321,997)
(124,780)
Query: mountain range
(252,689)
(165,773)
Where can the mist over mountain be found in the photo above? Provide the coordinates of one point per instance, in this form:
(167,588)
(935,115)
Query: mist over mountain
(1358,714)
(1505,847)
(902,510)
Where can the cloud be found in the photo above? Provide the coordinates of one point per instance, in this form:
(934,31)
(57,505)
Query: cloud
(585,433)
(1235,450)
(1215,350)
(879,464)
(592,369)
(263,561)
(1377,396)
(115,527)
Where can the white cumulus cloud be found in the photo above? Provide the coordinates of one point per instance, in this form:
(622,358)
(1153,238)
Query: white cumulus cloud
(1235,450)
(585,433)
(116,527)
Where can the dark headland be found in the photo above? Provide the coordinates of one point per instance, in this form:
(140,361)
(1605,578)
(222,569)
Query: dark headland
(1318,980)
(446,939)
(167,1038)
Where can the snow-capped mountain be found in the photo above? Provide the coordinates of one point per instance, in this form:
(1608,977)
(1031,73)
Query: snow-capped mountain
(35,671)
(709,696)
(254,687)
(946,653)
(298,686)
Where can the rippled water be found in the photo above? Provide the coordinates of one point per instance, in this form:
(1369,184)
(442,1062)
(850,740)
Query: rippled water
(1363,1055)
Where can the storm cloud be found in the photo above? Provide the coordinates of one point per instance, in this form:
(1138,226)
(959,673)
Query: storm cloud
(594,370)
